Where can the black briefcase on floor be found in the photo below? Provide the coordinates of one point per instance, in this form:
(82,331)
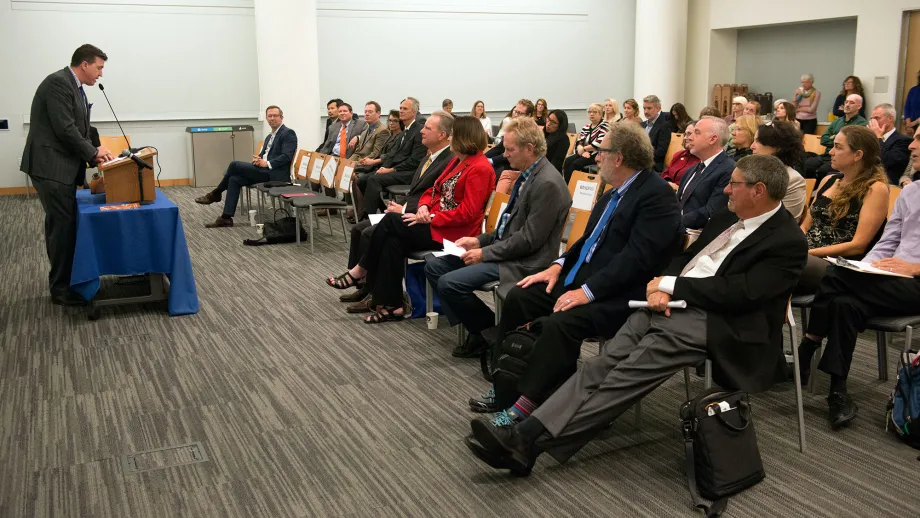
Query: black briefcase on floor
(722,458)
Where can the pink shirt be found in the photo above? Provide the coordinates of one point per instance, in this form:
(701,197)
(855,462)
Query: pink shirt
(807,108)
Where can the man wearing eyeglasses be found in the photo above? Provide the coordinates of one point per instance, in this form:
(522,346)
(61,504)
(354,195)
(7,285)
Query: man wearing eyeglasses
(735,280)
(496,155)
(631,233)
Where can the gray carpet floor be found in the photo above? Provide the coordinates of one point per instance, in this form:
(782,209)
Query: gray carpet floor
(304,410)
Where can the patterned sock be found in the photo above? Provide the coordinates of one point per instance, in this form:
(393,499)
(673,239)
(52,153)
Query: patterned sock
(523,407)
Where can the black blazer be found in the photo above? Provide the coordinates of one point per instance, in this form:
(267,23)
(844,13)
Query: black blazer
(60,140)
(705,195)
(745,301)
(281,154)
(421,183)
(895,156)
(643,234)
(410,151)
(661,137)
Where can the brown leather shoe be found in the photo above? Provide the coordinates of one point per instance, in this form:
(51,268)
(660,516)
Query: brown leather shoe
(220,222)
(355,296)
(365,306)
(208,198)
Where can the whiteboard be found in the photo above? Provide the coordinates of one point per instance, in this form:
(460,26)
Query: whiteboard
(571,52)
(168,59)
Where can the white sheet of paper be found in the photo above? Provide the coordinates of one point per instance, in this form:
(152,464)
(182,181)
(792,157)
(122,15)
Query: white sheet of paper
(317,171)
(345,182)
(864,267)
(677,304)
(450,248)
(302,172)
(585,193)
(329,171)
(375,218)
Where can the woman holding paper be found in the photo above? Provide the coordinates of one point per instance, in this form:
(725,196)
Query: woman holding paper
(850,208)
(451,209)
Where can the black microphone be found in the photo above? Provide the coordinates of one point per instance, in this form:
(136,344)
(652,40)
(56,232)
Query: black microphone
(102,89)
(137,160)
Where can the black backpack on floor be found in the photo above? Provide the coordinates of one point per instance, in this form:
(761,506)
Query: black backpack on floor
(511,359)
(283,230)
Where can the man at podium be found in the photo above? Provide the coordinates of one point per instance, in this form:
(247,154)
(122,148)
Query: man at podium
(272,163)
(58,147)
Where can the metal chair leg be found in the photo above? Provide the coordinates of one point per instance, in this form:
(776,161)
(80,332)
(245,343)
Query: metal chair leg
(297,225)
(908,337)
(881,342)
(344,232)
(707,384)
(329,220)
(311,229)
(797,377)
(497,302)
(429,298)
(687,381)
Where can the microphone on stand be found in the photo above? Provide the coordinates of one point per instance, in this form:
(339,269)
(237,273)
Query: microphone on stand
(131,149)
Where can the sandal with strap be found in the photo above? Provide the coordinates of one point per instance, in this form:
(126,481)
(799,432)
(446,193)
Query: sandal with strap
(345,281)
(385,314)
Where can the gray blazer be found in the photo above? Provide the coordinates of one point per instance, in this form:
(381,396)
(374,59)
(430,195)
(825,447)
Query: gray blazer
(60,138)
(532,235)
(354,129)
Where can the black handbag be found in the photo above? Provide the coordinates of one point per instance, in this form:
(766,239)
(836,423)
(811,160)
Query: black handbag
(282,230)
(510,361)
(722,458)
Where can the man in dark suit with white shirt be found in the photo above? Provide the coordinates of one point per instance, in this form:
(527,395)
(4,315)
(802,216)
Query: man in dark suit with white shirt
(658,126)
(735,279)
(702,189)
(895,154)
(273,163)
(59,145)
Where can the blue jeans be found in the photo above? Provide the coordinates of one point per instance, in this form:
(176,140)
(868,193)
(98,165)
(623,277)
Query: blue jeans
(455,284)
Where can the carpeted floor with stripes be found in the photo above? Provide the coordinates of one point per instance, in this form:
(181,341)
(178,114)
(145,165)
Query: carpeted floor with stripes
(302,410)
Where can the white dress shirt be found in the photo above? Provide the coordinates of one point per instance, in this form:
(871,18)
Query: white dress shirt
(707,266)
(433,157)
(886,135)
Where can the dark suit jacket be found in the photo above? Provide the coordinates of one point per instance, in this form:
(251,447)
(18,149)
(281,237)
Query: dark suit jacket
(329,121)
(356,127)
(637,244)
(60,142)
(421,183)
(281,154)
(660,136)
(410,151)
(704,196)
(745,301)
(895,156)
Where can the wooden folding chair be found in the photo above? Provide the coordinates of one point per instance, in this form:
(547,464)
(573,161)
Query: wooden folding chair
(578,227)
(115,144)
(572,138)
(585,189)
(677,143)
(893,193)
(812,144)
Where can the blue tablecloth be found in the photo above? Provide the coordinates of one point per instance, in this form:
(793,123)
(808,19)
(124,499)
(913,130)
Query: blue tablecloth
(149,239)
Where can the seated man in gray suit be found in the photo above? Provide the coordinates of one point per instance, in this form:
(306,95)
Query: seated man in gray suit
(369,143)
(272,163)
(353,127)
(525,241)
(436,138)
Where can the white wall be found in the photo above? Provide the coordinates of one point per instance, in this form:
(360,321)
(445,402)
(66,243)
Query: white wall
(878,37)
(172,64)
(571,53)
(770,59)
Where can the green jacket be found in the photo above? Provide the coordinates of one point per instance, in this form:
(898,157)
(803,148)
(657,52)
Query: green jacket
(827,140)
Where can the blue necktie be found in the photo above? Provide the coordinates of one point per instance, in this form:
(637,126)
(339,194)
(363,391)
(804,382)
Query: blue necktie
(586,248)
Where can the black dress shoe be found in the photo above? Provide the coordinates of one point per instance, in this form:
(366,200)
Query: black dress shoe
(208,198)
(68,299)
(473,347)
(841,409)
(484,403)
(505,444)
(220,223)
(482,453)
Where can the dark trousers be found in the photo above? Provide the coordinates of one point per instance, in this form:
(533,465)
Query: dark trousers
(374,184)
(574,163)
(238,175)
(385,258)
(456,285)
(808,126)
(360,240)
(555,355)
(817,167)
(845,301)
(59,200)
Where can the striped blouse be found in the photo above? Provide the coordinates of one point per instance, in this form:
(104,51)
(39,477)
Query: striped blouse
(592,136)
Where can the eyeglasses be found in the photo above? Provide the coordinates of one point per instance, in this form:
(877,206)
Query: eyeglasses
(393,121)
(518,113)
(606,150)
(741,183)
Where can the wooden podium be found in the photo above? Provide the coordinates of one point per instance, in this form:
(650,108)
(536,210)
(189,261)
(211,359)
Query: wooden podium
(121,181)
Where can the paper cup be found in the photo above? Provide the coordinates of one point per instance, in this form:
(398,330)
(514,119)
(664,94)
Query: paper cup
(260,228)
(432,319)
(252,218)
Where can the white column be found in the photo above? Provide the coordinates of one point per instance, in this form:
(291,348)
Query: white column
(288,67)
(661,41)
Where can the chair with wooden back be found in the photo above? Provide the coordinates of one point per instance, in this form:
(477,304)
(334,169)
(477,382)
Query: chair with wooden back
(572,138)
(496,208)
(893,193)
(585,189)
(677,143)
(578,228)
(812,144)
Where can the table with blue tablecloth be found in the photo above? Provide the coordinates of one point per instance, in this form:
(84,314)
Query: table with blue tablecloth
(144,240)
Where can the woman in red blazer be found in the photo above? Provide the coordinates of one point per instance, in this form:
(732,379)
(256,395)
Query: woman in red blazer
(451,209)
